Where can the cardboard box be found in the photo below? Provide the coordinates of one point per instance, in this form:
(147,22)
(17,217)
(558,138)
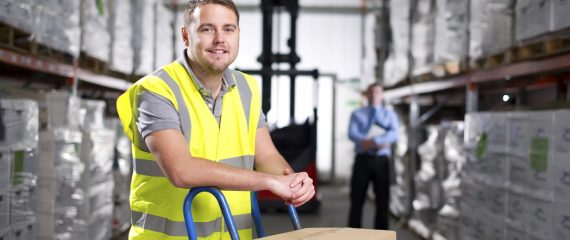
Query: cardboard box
(560,16)
(4,210)
(496,200)
(561,219)
(516,234)
(519,152)
(517,210)
(5,170)
(19,120)
(560,164)
(334,234)
(541,218)
(495,227)
(533,18)
(540,133)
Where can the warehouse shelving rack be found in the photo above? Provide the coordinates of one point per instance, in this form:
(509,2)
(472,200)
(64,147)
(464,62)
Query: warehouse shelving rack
(13,59)
(500,73)
(536,81)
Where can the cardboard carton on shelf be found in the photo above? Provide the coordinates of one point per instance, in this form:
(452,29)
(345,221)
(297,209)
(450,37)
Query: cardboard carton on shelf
(334,234)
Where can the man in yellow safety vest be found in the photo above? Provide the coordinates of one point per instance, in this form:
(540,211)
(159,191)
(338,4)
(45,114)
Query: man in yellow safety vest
(194,122)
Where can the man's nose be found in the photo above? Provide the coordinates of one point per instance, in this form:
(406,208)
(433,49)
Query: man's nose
(219,37)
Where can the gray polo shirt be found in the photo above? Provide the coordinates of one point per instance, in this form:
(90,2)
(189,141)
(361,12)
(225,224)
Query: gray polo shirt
(156,112)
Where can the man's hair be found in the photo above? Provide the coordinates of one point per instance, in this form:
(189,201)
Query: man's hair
(376,84)
(193,4)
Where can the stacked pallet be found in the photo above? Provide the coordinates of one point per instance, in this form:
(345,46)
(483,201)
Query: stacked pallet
(515,182)
(18,159)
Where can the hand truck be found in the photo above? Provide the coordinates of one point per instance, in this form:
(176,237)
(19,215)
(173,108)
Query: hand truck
(187,209)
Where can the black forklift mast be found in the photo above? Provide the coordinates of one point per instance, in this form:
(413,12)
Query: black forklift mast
(268,58)
(296,142)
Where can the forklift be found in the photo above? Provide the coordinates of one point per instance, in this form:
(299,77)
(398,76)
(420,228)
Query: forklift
(296,142)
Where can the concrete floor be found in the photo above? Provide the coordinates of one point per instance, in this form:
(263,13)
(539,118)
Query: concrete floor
(333,213)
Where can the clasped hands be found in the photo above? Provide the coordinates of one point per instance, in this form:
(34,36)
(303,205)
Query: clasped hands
(294,188)
(370,145)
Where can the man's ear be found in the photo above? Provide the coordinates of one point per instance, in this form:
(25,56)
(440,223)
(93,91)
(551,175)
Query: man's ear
(185,36)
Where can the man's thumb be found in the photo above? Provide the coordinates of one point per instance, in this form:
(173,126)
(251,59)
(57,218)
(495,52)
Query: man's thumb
(288,171)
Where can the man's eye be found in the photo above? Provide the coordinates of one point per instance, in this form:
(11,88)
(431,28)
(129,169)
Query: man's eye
(229,29)
(206,29)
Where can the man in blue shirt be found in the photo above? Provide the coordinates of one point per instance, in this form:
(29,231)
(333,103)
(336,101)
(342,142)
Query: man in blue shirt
(372,129)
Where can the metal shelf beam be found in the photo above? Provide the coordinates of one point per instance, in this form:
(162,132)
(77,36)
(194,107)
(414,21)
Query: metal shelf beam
(59,69)
(526,68)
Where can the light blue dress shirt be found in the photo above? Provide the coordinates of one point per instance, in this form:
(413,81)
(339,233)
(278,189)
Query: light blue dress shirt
(362,120)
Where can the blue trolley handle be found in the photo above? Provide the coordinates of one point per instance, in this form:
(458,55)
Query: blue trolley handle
(255,212)
(187,208)
(294,217)
(223,205)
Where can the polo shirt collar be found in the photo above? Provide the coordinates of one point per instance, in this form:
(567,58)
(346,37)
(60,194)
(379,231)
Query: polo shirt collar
(227,80)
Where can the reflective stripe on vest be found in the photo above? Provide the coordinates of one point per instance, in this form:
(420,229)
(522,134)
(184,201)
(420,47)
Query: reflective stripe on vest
(151,168)
(182,109)
(173,228)
(245,94)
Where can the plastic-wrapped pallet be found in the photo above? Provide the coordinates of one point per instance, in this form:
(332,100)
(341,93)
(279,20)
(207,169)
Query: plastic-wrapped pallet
(57,25)
(164,49)
(478,28)
(144,36)
(428,192)
(397,65)
(97,155)
(400,191)
(19,123)
(62,170)
(95,37)
(121,31)
(490,27)
(122,171)
(533,19)
(63,110)
(510,176)
(447,227)
(483,204)
(423,33)
(60,210)
(18,14)
(451,38)
(18,144)
(70,210)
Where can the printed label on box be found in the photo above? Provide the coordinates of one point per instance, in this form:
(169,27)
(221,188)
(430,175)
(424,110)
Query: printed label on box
(539,154)
(482,146)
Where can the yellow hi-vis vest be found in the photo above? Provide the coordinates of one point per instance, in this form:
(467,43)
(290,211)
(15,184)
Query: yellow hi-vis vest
(156,204)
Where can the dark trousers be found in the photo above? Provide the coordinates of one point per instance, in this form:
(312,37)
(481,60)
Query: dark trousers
(370,168)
